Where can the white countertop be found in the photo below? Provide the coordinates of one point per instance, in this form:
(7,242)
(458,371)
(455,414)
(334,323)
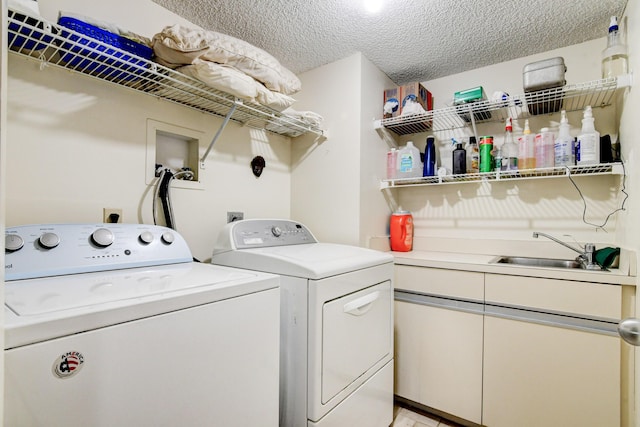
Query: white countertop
(476,255)
(482,263)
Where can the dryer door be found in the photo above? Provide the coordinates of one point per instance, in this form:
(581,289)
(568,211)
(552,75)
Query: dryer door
(351,334)
(356,335)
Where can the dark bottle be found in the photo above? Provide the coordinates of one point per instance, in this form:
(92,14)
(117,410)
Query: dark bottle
(459,160)
(430,157)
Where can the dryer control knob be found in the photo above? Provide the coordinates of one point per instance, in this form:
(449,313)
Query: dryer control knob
(146,237)
(13,242)
(49,240)
(102,237)
(276,231)
(168,237)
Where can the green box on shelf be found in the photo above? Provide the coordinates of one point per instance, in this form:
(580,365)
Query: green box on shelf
(462,98)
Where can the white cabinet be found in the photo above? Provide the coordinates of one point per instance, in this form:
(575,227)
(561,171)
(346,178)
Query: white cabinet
(557,363)
(504,351)
(438,352)
(538,375)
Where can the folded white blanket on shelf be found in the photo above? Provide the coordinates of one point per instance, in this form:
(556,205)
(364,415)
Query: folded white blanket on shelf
(307,118)
(177,45)
(228,79)
(28,7)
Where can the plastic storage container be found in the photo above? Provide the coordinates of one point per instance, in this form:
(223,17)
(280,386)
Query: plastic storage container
(108,63)
(546,75)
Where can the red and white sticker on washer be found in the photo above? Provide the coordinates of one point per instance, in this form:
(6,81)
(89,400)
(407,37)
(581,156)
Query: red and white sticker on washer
(68,364)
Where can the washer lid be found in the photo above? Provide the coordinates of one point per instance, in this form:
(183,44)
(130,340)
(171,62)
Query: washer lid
(47,308)
(312,261)
(31,297)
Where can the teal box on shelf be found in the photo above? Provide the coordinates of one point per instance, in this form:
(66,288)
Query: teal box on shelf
(463,98)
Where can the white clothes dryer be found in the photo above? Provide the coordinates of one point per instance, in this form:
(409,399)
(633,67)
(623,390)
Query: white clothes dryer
(115,325)
(336,364)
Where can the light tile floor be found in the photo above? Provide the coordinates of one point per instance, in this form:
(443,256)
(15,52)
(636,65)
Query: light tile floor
(403,417)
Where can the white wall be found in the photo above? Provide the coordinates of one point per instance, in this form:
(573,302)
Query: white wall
(335,183)
(325,189)
(76,145)
(3,144)
(374,209)
(628,232)
(512,210)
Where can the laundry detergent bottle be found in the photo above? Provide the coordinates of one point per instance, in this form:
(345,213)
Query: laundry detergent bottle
(401,231)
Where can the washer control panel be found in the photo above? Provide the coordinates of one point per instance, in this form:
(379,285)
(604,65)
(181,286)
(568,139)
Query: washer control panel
(43,250)
(260,233)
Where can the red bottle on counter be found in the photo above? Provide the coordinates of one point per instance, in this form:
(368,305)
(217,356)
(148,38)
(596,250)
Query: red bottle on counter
(401,231)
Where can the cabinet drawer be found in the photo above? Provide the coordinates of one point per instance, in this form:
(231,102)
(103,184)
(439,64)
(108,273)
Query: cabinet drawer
(449,283)
(564,296)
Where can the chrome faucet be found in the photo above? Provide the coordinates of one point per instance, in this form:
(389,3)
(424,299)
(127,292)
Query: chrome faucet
(586,257)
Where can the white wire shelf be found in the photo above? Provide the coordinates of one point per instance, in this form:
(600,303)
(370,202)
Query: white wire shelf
(555,172)
(596,93)
(43,40)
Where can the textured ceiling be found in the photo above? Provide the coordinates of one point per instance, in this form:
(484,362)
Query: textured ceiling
(409,40)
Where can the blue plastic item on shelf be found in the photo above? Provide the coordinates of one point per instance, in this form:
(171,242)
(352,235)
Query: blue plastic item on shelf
(33,39)
(109,63)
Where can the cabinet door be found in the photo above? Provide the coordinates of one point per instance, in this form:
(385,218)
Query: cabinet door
(438,358)
(539,375)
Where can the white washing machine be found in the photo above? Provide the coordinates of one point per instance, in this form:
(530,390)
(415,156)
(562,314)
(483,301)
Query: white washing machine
(115,325)
(336,364)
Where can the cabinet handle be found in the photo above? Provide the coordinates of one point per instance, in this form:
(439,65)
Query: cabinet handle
(361,305)
(629,330)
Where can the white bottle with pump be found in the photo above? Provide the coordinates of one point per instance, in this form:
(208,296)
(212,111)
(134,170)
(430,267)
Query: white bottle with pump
(588,151)
(563,146)
(409,164)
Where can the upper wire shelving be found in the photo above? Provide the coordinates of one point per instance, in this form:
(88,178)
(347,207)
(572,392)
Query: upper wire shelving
(574,97)
(497,176)
(43,40)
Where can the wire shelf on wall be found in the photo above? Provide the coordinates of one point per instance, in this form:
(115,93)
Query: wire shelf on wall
(496,176)
(43,40)
(596,93)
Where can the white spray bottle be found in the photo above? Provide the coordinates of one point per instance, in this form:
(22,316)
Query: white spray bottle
(588,152)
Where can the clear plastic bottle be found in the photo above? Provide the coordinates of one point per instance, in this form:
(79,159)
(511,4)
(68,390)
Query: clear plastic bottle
(409,164)
(614,57)
(544,142)
(564,143)
(473,156)
(588,152)
(509,149)
(526,151)
(496,153)
(392,163)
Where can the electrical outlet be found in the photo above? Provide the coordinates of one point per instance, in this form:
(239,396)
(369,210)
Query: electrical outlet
(111,215)
(234,216)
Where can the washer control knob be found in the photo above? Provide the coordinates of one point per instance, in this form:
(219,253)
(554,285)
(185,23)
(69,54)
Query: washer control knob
(168,237)
(13,242)
(276,231)
(49,240)
(102,237)
(146,237)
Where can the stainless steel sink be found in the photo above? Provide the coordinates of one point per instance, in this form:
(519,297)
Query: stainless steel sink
(537,262)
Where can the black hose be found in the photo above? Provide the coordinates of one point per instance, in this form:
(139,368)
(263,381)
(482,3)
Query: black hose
(163,194)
